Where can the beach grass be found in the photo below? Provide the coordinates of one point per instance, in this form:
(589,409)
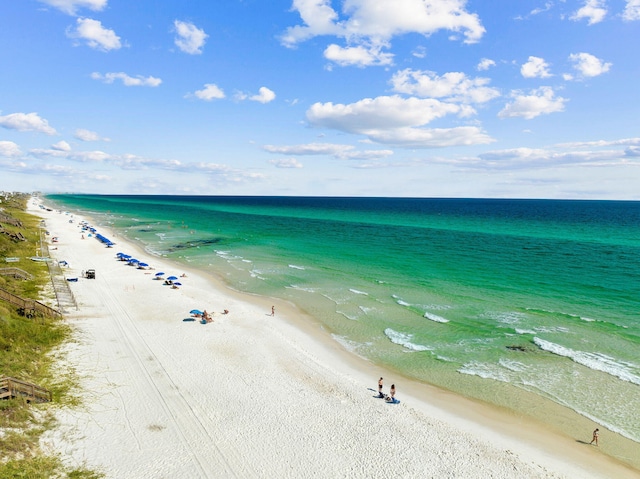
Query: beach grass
(28,349)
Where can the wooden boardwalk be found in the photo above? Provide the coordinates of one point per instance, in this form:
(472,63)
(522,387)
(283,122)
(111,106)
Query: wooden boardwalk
(28,307)
(13,388)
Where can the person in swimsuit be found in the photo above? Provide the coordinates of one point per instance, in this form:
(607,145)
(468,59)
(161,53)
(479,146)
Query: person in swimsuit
(595,436)
(392,391)
(380,387)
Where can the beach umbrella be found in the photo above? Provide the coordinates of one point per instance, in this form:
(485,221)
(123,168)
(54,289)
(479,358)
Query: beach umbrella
(144,265)
(195,311)
(172,278)
(160,273)
(177,284)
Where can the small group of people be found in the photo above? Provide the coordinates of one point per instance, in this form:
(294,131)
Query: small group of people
(387,397)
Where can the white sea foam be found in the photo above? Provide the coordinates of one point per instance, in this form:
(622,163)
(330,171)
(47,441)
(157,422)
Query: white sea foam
(351,318)
(404,339)
(255,273)
(511,365)
(551,329)
(484,370)
(435,317)
(436,307)
(509,317)
(300,288)
(293,266)
(596,361)
(355,291)
(366,310)
(525,331)
(402,303)
(349,345)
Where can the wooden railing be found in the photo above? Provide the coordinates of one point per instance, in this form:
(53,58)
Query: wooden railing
(28,307)
(16,273)
(13,388)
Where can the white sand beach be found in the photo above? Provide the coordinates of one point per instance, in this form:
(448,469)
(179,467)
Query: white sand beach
(258,396)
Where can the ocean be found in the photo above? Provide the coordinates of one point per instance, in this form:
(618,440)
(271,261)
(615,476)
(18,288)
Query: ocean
(503,301)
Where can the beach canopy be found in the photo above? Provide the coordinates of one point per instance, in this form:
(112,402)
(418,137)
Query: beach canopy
(144,265)
(171,278)
(160,273)
(195,311)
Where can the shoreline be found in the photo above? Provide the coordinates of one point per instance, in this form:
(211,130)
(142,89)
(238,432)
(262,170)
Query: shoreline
(297,357)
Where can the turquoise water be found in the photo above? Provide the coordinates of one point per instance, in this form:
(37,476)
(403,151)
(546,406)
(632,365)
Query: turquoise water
(488,298)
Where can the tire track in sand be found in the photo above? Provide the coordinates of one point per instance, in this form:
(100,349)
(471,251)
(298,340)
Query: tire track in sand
(181,412)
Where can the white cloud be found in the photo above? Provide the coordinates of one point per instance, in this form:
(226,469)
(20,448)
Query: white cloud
(264,95)
(26,122)
(360,55)
(286,163)
(535,68)
(454,86)
(374,23)
(71,6)
(330,149)
(601,143)
(9,149)
(95,156)
(588,65)
(485,64)
(547,7)
(431,137)
(539,102)
(189,38)
(61,146)
(87,135)
(567,154)
(343,152)
(381,112)
(395,120)
(210,92)
(632,10)
(593,10)
(127,80)
(95,35)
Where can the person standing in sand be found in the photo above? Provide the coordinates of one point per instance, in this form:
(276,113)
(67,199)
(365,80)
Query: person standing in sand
(596,433)
(380,387)
(392,391)
(273,310)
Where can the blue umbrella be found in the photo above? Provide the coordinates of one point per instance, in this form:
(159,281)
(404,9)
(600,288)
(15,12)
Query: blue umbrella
(177,284)
(171,278)
(159,274)
(144,265)
(195,311)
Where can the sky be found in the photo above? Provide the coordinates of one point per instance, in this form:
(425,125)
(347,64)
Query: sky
(404,98)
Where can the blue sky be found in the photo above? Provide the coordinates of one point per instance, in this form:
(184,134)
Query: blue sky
(424,98)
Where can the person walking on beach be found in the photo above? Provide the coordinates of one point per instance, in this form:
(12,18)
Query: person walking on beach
(392,391)
(596,433)
(273,310)
(380,387)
